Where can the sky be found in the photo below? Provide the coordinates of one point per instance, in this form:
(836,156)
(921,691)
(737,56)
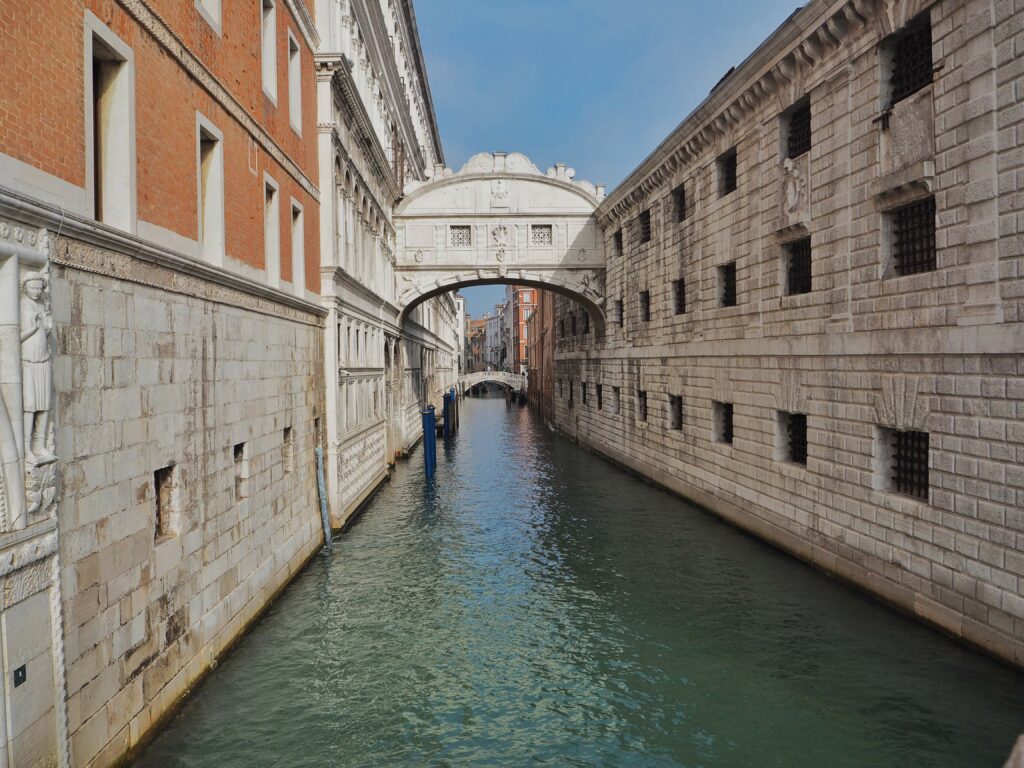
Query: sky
(596,84)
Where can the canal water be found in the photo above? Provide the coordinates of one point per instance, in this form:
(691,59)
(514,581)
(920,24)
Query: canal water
(536,606)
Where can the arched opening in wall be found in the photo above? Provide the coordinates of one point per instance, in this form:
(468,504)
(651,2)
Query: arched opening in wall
(590,304)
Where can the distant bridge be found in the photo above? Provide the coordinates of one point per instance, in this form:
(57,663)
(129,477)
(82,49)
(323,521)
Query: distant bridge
(514,381)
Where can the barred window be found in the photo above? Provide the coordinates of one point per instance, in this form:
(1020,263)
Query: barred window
(645,226)
(913,237)
(620,313)
(617,242)
(727,173)
(721,416)
(905,457)
(794,437)
(675,407)
(798,266)
(583,392)
(600,401)
(679,202)
(727,285)
(616,400)
(460,236)
(798,134)
(570,392)
(541,234)
(679,295)
(911,59)
(641,405)
(645,305)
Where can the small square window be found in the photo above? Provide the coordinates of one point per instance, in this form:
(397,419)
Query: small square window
(902,462)
(460,236)
(641,405)
(679,202)
(798,130)
(541,234)
(727,173)
(721,422)
(798,266)
(645,306)
(727,285)
(911,55)
(913,237)
(679,296)
(617,242)
(600,400)
(645,226)
(675,411)
(792,436)
(165,487)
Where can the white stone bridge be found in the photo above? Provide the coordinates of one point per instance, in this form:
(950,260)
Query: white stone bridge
(501,220)
(514,381)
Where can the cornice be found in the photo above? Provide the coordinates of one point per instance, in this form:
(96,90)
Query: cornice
(338,70)
(804,39)
(159,30)
(414,41)
(305,22)
(94,247)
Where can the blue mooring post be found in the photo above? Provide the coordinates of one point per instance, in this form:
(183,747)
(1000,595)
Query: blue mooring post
(429,441)
(447,415)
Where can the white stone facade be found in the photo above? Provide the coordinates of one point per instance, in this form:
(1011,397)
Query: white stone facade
(863,355)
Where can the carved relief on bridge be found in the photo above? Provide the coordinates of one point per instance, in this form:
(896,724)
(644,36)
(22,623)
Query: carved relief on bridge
(28,473)
(500,219)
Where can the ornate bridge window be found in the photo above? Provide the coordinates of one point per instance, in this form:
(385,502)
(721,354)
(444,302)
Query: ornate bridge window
(541,234)
(460,236)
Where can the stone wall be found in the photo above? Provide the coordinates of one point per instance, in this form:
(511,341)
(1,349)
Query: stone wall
(188,415)
(865,353)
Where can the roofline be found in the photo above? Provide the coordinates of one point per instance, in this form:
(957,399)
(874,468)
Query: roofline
(420,64)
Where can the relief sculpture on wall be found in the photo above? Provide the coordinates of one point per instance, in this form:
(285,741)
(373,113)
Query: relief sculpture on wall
(36,323)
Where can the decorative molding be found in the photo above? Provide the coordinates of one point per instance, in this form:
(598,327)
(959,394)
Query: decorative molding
(188,61)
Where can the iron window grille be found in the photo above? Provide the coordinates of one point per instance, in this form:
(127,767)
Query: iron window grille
(679,202)
(570,392)
(645,226)
(910,464)
(583,392)
(679,295)
(724,430)
(798,136)
(675,403)
(796,437)
(460,236)
(616,399)
(617,242)
(600,400)
(645,306)
(620,313)
(727,282)
(641,405)
(727,173)
(798,267)
(912,67)
(913,237)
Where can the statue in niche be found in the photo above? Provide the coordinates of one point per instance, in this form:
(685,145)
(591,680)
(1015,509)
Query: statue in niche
(36,372)
(794,185)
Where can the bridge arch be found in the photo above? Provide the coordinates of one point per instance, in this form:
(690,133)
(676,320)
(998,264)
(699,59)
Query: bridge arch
(499,219)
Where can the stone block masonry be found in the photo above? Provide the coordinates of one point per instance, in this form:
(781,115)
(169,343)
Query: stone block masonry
(897,380)
(188,422)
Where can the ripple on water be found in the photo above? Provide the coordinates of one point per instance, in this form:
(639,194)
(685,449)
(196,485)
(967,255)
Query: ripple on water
(536,606)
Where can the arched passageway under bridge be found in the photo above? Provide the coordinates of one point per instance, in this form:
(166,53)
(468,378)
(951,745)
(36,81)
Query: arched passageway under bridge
(499,219)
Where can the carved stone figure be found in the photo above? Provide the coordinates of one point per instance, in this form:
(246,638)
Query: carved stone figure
(591,287)
(499,192)
(36,371)
(794,185)
(500,235)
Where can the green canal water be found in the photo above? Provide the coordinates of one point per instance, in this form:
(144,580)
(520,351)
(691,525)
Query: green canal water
(536,606)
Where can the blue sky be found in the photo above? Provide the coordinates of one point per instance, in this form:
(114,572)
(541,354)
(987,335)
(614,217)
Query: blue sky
(596,84)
